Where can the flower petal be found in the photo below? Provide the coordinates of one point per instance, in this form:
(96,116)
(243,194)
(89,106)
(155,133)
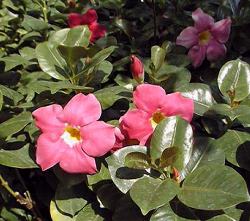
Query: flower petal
(188,37)
(81,110)
(75,160)
(74,19)
(97,31)
(177,105)
(119,139)
(221,30)
(89,17)
(215,50)
(197,54)
(98,138)
(148,97)
(136,124)
(46,118)
(49,152)
(202,21)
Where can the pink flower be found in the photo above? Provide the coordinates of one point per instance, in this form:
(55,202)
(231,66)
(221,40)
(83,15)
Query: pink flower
(72,136)
(90,19)
(137,69)
(206,38)
(152,106)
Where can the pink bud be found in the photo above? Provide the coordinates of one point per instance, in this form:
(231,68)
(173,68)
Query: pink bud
(137,69)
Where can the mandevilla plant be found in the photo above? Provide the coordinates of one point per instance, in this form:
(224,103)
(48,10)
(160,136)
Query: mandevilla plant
(105,115)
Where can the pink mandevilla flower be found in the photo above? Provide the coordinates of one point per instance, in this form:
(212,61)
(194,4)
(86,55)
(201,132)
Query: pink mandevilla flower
(72,136)
(90,19)
(152,106)
(206,39)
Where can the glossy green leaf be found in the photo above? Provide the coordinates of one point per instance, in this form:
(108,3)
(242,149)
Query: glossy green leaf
(56,215)
(98,58)
(108,195)
(236,146)
(20,158)
(137,160)
(157,57)
(77,37)
(173,132)
(51,62)
(203,153)
(15,124)
(69,200)
(234,78)
(122,176)
(109,95)
(88,214)
(11,94)
(149,193)
(30,23)
(13,61)
(102,175)
(166,213)
(126,210)
(213,187)
(201,95)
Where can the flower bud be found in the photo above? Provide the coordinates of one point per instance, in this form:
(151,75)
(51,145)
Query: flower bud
(137,69)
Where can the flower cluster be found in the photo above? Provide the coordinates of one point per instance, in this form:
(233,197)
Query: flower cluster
(90,19)
(206,39)
(72,136)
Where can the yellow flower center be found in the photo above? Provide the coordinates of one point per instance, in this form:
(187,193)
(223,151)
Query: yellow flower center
(71,135)
(156,118)
(204,37)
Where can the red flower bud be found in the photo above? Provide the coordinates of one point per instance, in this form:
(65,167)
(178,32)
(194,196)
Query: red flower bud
(137,69)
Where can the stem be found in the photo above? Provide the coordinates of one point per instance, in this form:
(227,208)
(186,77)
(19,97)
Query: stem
(155,23)
(5,185)
(25,200)
(45,11)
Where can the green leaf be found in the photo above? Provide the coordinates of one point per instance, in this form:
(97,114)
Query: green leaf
(234,79)
(109,95)
(56,215)
(137,160)
(77,37)
(88,214)
(203,153)
(102,175)
(98,58)
(173,132)
(11,94)
(13,61)
(235,144)
(108,195)
(1,100)
(149,193)
(17,158)
(15,124)
(127,210)
(201,95)
(69,200)
(157,57)
(166,213)
(122,176)
(30,23)
(51,61)
(213,187)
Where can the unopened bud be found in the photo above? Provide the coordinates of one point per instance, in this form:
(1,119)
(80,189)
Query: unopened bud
(137,69)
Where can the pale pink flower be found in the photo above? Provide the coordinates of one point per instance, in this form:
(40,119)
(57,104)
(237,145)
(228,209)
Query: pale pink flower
(152,106)
(206,39)
(72,136)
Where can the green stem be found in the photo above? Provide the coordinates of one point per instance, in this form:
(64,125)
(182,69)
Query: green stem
(155,23)
(6,186)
